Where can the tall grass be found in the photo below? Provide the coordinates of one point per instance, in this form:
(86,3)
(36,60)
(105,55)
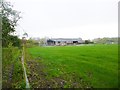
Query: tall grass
(12,70)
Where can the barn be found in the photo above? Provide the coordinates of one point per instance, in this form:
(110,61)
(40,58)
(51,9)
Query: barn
(63,41)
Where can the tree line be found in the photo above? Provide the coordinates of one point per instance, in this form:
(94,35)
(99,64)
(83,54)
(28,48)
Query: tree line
(106,40)
(10,18)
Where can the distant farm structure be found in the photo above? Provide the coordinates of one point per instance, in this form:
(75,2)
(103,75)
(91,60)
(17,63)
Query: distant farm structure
(63,41)
(69,41)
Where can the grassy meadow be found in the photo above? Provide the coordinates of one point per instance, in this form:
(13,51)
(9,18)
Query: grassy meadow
(75,66)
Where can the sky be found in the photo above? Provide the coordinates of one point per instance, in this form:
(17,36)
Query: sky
(86,19)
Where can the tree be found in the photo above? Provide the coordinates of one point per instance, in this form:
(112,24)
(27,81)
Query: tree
(106,40)
(42,41)
(32,42)
(10,18)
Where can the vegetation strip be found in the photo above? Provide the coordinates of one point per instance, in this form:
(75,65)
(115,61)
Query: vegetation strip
(26,79)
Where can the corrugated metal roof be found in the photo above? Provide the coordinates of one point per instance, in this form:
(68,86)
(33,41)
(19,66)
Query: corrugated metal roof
(66,39)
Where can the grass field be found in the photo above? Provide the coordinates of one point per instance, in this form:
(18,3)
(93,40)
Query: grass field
(73,66)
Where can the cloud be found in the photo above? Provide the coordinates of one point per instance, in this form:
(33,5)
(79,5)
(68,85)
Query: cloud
(68,18)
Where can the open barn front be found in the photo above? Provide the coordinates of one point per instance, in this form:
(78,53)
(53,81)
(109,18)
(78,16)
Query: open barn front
(63,41)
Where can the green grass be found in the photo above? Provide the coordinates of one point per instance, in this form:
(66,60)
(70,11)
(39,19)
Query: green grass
(97,65)
(11,64)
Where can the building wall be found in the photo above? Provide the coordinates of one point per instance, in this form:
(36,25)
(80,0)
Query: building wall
(63,41)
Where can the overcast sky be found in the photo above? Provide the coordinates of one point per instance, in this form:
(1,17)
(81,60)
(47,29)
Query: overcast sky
(87,19)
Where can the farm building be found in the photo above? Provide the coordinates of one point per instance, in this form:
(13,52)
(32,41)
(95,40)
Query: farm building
(63,41)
